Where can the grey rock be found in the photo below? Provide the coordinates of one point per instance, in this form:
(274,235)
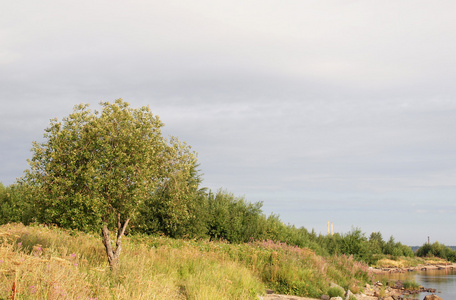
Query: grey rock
(348,294)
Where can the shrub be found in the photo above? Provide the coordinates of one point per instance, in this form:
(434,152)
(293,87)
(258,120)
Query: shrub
(335,292)
(411,285)
(436,250)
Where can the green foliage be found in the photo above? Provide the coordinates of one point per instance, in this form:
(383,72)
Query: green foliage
(411,285)
(177,209)
(355,243)
(424,250)
(376,242)
(437,250)
(232,218)
(95,170)
(96,165)
(14,206)
(335,292)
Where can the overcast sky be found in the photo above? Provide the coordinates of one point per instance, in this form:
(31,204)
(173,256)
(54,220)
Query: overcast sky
(341,111)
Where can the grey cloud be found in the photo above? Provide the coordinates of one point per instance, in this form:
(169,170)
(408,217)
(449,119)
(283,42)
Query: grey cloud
(305,106)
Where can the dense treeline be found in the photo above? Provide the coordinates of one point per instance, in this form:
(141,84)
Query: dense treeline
(437,250)
(218,216)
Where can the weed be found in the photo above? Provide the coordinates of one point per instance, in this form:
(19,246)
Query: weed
(411,285)
(335,292)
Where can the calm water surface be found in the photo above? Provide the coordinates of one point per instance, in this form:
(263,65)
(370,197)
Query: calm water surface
(444,281)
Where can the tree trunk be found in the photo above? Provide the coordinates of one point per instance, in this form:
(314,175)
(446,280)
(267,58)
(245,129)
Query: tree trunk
(114,254)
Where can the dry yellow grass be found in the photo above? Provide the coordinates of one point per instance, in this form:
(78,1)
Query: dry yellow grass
(406,262)
(51,263)
(38,262)
(390,263)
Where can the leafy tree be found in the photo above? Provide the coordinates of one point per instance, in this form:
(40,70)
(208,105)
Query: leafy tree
(438,250)
(389,246)
(178,208)
(232,218)
(5,205)
(95,169)
(424,250)
(406,250)
(13,205)
(376,242)
(332,243)
(355,243)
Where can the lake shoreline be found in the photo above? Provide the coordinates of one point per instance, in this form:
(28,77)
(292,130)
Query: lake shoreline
(425,267)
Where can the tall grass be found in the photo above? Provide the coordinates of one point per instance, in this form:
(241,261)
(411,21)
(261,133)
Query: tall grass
(281,267)
(51,263)
(38,262)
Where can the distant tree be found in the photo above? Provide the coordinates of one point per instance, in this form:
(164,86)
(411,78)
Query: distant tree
(424,250)
(438,250)
(406,250)
(389,246)
(95,169)
(355,243)
(376,241)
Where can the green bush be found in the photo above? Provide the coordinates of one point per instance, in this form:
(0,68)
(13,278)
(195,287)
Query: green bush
(14,207)
(233,218)
(438,250)
(335,292)
(411,285)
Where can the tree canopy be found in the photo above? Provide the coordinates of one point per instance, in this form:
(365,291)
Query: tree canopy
(95,169)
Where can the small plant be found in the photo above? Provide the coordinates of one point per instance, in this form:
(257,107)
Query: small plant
(335,292)
(354,288)
(352,297)
(411,285)
(382,292)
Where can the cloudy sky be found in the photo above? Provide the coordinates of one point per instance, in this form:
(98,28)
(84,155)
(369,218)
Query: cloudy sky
(341,111)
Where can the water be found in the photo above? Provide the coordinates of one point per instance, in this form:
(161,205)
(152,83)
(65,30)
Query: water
(444,281)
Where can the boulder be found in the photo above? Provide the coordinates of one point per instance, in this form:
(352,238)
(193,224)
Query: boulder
(432,297)
(324,297)
(348,294)
(336,298)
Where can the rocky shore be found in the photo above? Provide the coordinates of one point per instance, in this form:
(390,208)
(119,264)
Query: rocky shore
(378,291)
(371,292)
(391,292)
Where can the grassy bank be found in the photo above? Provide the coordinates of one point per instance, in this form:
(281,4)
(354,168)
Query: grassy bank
(407,262)
(38,262)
